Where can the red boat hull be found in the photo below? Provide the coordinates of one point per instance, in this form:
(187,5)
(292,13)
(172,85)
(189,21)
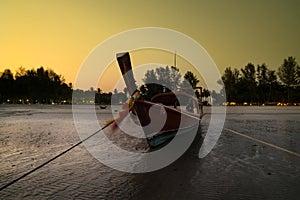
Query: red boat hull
(172,119)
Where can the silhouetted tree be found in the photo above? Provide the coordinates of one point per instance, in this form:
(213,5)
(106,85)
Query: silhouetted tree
(191,78)
(230,79)
(205,95)
(287,73)
(247,83)
(262,82)
(272,84)
(6,85)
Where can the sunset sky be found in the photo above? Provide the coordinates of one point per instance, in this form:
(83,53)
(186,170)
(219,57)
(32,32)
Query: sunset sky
(60,34)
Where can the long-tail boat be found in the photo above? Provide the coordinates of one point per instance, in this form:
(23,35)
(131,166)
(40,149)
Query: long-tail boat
(151,113)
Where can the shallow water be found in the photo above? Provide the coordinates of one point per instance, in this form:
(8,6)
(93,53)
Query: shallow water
(237,167)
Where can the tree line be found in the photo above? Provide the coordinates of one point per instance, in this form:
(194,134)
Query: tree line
(261,85)
(251,84)
(44,86)
(34,86)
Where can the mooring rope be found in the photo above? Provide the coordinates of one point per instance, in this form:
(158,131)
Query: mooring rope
(262,142)
(52,159)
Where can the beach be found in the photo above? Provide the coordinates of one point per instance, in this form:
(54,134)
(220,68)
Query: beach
(236,168)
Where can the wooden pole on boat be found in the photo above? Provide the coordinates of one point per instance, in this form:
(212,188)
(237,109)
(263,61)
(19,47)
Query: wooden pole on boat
(175,60)
(200,100)
(126,69)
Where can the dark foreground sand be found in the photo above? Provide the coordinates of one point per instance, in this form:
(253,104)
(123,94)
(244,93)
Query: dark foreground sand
(237,168)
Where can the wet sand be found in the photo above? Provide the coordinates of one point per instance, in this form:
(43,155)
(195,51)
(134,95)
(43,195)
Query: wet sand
(237,168)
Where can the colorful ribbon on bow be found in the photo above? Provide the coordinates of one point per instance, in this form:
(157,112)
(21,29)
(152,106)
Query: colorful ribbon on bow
(126,108)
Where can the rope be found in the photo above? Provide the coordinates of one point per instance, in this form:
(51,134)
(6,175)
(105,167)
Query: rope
(263,142)
(52,159)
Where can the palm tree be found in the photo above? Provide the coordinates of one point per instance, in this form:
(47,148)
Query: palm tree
(191,78)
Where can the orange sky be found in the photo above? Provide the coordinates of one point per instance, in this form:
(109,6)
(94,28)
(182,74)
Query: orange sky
(60,34)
